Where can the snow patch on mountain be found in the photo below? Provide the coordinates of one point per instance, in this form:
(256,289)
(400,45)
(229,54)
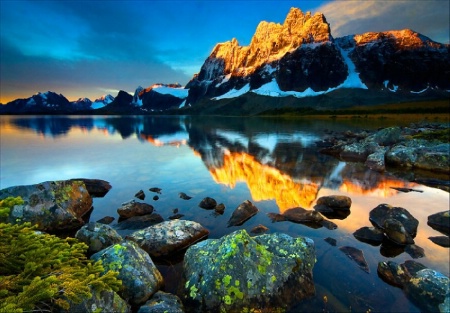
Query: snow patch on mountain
(102,101)
(176,92)
(353,80)
(233,93)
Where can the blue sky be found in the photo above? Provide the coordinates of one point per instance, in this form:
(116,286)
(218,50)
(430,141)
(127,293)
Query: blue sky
(91,48)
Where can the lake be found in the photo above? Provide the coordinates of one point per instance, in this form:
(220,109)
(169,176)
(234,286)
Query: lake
(274,163)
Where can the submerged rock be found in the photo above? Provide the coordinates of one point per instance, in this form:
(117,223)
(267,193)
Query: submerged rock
(259,229)
(242,213)
(207,203)
(440,222)
(238,273)
(370,235)
(97,236)
(140,195)
(220,208)
(139,275)
(443,241)
(335,202)
(133,208)
(139,222)
(53,206)
(155,189)
(184,196)
(162,302)
(168,237)
(357,256)
(106,220)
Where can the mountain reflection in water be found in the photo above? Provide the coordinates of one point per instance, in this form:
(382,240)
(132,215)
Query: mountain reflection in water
(275,163)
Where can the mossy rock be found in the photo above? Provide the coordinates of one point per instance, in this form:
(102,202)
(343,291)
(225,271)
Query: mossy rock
(239,273)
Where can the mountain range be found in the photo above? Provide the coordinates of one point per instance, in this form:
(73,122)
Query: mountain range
(297,64)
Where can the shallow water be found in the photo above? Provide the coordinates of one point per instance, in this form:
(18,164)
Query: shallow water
(273,163)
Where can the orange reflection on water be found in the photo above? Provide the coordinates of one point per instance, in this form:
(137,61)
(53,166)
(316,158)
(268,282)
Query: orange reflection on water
(158,143)
(382,188)
(264,182)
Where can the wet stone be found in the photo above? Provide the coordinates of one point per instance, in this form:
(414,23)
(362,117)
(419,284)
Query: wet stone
(385,211)
(155,189)
(357,256)
(415,251)
(259,229)
(140,195)
(443,241)
(331,241)
(139,222)
(106,220)
(207,203)
(242,213)
(335,202)
(370,235)
(220,208)
(97,236)
(133,208)
(395,231)
(184,196)
(440,222)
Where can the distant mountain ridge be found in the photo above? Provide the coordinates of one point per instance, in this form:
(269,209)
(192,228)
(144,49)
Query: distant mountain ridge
(297,63)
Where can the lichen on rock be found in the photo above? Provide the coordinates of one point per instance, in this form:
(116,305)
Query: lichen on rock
(241,273)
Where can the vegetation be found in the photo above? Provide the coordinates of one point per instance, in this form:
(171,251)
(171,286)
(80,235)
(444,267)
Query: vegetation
(437,134)
(41,272)
(7,204)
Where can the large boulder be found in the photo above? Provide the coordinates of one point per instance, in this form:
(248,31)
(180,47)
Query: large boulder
(168,237)
(239,273)
(53,206)
(139,275)
(97,236)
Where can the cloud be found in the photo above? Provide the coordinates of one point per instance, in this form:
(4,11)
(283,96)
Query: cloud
(430,18)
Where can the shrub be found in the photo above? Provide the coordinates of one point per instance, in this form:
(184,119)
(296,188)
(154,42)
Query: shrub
(41,272)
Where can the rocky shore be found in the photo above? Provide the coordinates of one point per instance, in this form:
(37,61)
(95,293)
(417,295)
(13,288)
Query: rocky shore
(243,272)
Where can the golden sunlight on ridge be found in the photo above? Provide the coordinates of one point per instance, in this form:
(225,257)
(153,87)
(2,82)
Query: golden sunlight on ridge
(264,182)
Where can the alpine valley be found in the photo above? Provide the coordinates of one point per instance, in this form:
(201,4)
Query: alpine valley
(294,65)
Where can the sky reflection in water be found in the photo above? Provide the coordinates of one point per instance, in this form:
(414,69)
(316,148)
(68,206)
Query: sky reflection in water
(273,163)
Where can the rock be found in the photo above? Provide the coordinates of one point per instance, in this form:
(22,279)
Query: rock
(133,208)
(106,220)
(140,195)
(207,203)
(168,237)
(139,275)
(370,235)
(443,241)
(242,213)
(97,188)
(440,221)
(392,273)
(301,215)
(176,216)
(395,231)
(384,211)
(428,289)
(331,241)
(97,236)
(220,208)
(387,136)
(358,151)
(357,256)
(53,206)
(415,251)
(328,224)
(106,301)
(139,222)
(162,302)
(155,198)
(184,196)
(259,229)
(376,161)
(335,202)
(155,189)
(401,189)
(239,273)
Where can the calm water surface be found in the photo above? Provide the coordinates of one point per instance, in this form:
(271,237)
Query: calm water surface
(273,163)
